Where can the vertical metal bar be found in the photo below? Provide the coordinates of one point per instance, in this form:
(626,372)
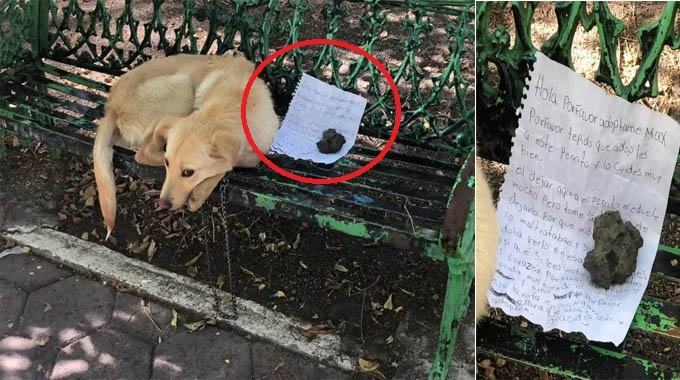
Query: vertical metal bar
(39,12)
(457,300)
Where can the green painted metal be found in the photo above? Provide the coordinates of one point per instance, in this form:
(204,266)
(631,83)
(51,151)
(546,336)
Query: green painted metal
(456,301)
(437,113)
(564,357)
(497,100)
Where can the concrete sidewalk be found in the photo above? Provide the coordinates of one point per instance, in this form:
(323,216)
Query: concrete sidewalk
(55,324)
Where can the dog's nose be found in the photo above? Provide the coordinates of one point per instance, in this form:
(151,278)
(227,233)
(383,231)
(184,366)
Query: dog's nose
(164,204)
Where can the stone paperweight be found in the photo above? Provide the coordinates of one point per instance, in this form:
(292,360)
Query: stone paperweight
(614,257)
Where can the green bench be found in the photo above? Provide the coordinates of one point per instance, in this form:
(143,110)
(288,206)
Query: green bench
(567,356)
(54,62)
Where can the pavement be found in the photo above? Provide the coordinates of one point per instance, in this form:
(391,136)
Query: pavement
(56,324)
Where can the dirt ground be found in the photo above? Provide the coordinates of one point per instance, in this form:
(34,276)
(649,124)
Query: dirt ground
(380,300)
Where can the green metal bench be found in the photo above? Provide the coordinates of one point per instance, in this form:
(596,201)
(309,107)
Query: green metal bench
(49,53)
(566,355)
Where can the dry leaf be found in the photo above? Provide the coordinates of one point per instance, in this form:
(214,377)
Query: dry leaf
(318,330)
(47,308)
(279,294)
(42,340)
(389,339)
(278,367)
(368,366)
(196,326)
(220,281)
(194,260)
(341,268)
(175,318)
(303,265)
(85,236)
(388,304)
(296,243)
(152,250)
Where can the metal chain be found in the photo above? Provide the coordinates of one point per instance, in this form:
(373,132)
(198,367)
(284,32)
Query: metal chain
(227,253)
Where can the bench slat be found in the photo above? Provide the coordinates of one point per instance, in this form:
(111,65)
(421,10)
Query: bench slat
(556,354)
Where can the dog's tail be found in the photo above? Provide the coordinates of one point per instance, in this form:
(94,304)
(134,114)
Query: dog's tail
(103,170)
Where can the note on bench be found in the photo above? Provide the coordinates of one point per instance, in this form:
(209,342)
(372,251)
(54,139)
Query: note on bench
(316,107)
(577,153)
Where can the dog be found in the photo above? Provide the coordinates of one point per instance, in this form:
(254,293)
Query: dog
(183,112)
(487,234)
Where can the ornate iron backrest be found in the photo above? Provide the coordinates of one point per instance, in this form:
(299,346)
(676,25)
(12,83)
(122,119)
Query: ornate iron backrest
(438,112)
(497,104)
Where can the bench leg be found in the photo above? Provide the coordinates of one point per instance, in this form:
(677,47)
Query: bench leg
(457,300)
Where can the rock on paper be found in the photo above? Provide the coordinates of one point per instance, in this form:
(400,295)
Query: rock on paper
(578,152)
(316,107)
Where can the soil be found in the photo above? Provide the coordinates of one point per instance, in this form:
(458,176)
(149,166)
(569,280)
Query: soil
(367,293)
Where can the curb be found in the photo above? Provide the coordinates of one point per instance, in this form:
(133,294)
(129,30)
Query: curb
(182,292)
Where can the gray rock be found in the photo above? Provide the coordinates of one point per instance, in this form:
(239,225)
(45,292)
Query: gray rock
(614,257)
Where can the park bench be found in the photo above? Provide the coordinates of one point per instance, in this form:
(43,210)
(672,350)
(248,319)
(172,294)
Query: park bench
(56,59)
(656,320)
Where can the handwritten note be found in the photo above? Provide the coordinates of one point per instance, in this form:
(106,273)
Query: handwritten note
(578,152)
(316,107)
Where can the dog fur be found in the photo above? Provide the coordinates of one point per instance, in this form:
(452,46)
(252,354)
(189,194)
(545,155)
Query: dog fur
(183,112)
(486,241)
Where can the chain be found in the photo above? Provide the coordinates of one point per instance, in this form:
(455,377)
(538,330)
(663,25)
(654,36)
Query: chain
(227,252)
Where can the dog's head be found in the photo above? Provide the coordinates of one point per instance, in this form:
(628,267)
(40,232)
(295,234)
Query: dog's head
(191,154)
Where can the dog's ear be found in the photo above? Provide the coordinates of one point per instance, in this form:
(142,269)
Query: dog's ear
(152,150)
(225,148)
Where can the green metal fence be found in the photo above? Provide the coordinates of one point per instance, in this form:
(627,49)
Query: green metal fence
(438,112)
(498,99)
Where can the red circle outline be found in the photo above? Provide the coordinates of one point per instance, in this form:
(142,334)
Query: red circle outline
(322,181)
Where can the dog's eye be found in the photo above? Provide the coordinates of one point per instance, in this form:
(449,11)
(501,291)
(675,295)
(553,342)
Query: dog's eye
(187,173)
(166,162)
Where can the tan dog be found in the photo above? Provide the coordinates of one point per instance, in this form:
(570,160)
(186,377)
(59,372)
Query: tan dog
(150,109)
(487,233)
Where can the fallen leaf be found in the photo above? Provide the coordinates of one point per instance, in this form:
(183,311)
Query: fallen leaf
(279,294)
(85,236)
(220,281)
(674,262)
(139,247)
(303,265)
(194,260)
(175,317)
(524,324)
(226,361)
(47,308)
(486,363)
(196,326)
(278,367)
(318,330)
(152,250)
(398,309)
(388,304)
(367,365)
(296,243)
(389,339)
(42,340)
(341,268)
(500,362)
